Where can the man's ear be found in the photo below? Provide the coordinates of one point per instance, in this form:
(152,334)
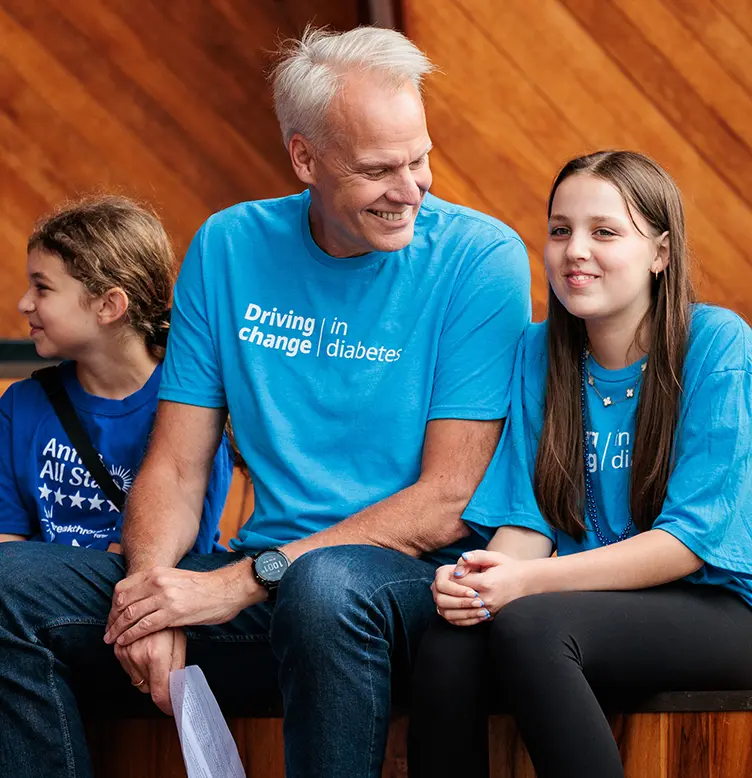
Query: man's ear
(112,305)
(303,159)
(663,254)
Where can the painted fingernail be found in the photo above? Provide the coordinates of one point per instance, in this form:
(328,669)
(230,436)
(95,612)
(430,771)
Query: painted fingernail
(458,573)
(479,604)
(467,556)
(488,614)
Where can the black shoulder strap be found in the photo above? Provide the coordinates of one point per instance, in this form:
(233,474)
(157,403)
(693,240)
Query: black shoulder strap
(52,383)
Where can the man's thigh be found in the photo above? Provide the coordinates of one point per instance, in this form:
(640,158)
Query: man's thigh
(359,587)
(61,596)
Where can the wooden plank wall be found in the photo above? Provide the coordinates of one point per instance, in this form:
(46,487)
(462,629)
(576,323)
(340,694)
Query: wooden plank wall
(528,84)
(165,100)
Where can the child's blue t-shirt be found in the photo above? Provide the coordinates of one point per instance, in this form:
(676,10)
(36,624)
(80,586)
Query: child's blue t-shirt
(46,492)
(331,368)
(708,506)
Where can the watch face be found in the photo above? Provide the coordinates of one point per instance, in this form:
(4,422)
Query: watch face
(271,566)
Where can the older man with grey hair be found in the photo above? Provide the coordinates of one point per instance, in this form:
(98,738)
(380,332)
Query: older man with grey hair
(362,335)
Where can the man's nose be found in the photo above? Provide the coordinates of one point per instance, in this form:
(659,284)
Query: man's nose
(405,189)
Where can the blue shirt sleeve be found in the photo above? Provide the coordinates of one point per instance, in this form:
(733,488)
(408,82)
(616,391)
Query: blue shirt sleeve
(191,371)
(14,516)
(489,308)
(505,496)
(708,505)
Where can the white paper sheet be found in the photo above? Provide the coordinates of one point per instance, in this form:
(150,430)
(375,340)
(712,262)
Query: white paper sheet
(209,750)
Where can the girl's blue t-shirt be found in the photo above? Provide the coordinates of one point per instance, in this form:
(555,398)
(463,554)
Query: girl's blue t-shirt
(708,506)
(46,492)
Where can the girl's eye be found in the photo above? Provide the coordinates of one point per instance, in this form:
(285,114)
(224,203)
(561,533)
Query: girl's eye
(41,288)
(605,233)
(558,232)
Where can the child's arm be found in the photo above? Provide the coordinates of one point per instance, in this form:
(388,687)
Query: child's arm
(5,537)
(649,559)
(520,543)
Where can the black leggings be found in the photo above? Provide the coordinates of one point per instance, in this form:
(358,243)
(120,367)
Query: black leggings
(549,658)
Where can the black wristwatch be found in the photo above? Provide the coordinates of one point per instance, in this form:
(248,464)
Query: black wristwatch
(268,568)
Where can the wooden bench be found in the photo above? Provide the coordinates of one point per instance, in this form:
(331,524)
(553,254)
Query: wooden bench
(679,735)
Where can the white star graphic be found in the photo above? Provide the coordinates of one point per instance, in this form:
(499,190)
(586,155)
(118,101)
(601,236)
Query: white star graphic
(59,496)
(95,502)
(76,499)
(44,491)
(112,506)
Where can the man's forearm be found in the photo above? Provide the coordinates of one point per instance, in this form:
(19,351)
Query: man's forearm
(162,519)
(415,520)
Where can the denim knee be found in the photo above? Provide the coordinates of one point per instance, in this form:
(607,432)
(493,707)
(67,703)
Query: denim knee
(351,591)
(318,590)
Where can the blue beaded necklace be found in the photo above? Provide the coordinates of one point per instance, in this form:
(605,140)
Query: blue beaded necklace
(590,506)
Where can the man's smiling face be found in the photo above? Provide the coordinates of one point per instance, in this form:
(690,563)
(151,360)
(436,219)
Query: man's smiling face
(368,182)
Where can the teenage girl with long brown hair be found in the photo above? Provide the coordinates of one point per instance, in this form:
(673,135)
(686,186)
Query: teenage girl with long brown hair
(627,450)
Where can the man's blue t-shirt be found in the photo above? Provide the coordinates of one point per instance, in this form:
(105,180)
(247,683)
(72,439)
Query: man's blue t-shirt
(47,493)
(331,368)
(708,506)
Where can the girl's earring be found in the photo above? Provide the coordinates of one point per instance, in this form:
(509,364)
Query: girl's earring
(656,274)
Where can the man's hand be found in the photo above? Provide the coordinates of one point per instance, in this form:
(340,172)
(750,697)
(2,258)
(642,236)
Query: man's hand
(148,602)
(149,661)
(478,586)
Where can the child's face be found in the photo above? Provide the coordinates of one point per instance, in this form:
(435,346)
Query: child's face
(598,262)
(57,306)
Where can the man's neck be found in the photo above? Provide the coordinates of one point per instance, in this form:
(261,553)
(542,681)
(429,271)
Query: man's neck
(328,239)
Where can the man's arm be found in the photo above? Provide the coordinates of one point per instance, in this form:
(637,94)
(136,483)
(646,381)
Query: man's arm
(428,514)
(421,517)
(164,507)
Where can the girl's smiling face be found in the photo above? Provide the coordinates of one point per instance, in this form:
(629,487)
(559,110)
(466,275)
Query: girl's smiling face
(600,253)
(62,322)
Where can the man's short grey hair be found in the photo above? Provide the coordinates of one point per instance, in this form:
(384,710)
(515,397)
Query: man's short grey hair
(310,70)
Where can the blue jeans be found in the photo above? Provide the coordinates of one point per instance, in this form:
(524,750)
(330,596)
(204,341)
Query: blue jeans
(346,622)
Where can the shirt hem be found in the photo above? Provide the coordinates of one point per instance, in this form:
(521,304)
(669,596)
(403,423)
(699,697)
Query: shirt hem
(191,399)
(524,520)
(708,557)
(468,414)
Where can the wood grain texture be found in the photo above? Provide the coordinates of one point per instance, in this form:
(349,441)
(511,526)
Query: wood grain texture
(652,745)
(528,84)
(163,100)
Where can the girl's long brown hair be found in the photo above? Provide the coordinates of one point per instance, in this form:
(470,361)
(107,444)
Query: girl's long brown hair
(559,480)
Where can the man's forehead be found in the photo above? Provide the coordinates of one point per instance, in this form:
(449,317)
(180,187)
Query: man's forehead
(372,113)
